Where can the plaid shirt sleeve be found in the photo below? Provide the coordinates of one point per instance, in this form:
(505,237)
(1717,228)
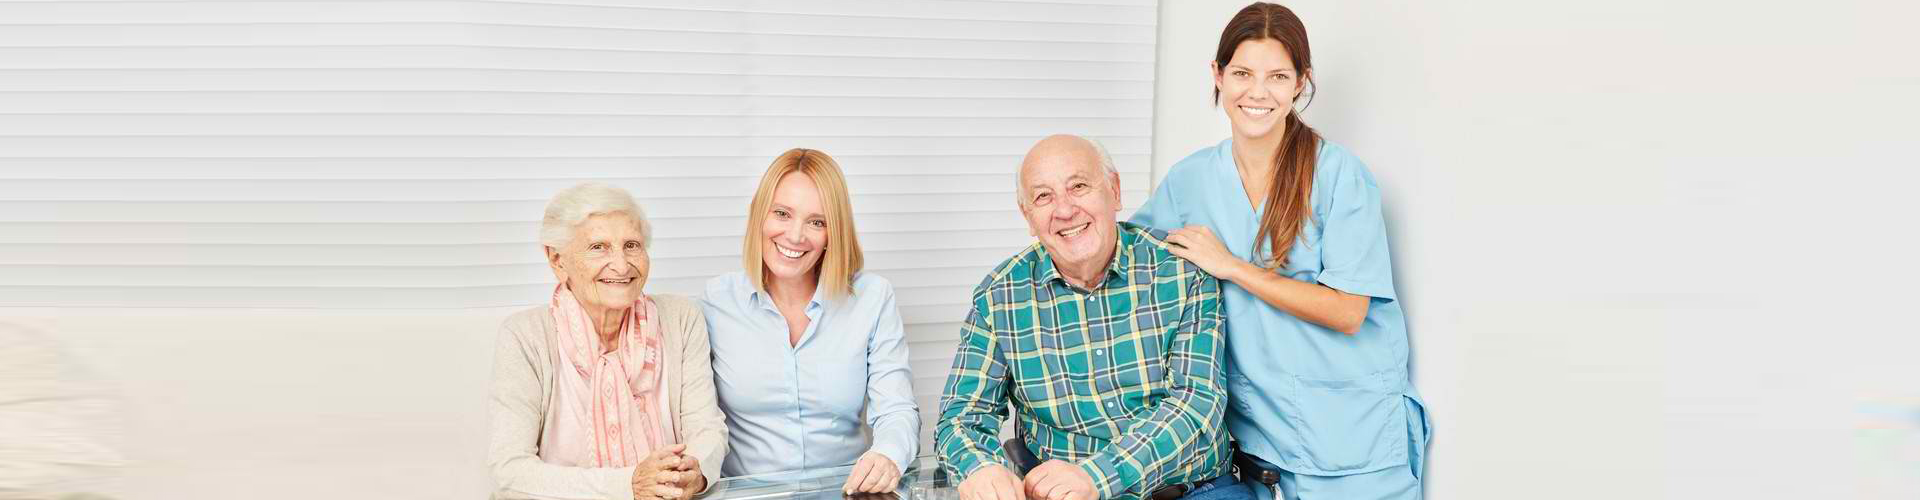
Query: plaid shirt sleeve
(1185,423)
(974,401)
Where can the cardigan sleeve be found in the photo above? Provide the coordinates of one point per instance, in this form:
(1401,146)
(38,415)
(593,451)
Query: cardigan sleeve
(702,426)
(518,410)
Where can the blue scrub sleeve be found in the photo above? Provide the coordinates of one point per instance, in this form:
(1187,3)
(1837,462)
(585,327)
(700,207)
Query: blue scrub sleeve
(1161,211)
(1354,256)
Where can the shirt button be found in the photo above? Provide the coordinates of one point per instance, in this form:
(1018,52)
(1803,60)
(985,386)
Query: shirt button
(1099,352)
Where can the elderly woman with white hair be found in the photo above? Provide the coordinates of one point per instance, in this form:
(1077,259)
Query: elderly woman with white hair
(605,391)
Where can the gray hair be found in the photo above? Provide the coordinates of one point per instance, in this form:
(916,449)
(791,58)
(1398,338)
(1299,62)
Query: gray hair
(575,204)
(1100,152)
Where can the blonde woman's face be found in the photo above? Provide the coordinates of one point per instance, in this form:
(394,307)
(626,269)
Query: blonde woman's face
(795,228)
(1257,87)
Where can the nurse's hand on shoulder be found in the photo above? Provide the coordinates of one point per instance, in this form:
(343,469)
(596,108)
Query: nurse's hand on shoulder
(873,473)
(1199,245)
(1058,480)
(993,482)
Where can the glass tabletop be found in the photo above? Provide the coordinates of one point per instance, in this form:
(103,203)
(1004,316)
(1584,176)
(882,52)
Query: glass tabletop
(922,481)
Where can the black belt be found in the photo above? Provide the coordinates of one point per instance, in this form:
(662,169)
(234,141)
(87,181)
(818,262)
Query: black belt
(1175,491)
(1250,470)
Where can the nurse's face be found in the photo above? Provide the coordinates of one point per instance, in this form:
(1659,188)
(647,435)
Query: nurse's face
(1257,87)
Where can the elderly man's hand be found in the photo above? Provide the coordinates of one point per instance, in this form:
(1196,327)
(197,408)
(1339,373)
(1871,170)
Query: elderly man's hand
(1058,480)
(993,482)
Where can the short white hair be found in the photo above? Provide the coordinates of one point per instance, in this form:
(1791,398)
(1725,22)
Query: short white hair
(573,205)
(1099,151)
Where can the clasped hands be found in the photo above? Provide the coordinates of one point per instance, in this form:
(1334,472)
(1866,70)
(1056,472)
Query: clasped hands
(668,474)
(1051,480)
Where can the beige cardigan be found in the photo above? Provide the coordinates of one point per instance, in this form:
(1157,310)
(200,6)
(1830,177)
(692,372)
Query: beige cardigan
(523,384)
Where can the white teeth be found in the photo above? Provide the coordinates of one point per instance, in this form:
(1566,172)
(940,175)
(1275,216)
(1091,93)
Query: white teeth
(1068,233)
(789,253)
(622,281)
(1256,111)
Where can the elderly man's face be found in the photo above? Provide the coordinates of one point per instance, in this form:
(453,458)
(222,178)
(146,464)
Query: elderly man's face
(605,264)
(1070,202)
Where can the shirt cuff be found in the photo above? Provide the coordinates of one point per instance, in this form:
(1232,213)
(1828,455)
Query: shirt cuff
(1106,475)
(619,482)
(894,452)
(968,463)
(1368,288)
(894,438)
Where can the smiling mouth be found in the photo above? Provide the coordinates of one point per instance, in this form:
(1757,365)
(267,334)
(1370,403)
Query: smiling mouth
(1255,112)
(620,281)
(791,254)
(1073,231)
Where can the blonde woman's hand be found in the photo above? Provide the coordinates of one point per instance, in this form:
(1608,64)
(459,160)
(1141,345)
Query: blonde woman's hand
(873,473)
(658,477)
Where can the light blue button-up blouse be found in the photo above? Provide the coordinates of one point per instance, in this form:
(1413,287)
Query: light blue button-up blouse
(800,407)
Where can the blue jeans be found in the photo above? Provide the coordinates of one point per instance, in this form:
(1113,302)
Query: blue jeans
(1225,487)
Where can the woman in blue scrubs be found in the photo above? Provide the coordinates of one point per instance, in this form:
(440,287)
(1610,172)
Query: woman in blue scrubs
(1316,344)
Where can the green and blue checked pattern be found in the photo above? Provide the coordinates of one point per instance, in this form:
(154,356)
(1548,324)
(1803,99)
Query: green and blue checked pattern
(1122,381)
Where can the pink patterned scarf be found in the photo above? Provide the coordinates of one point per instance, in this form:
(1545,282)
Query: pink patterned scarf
(609,409)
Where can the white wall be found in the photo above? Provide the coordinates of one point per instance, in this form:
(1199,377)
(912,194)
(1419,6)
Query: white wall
(1648,249)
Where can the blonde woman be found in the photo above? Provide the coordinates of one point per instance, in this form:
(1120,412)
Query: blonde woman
(805,343)
(604,392)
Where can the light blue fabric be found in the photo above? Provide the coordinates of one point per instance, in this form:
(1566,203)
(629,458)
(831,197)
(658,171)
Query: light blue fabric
(1392,483)
(799,407)
(1306,398)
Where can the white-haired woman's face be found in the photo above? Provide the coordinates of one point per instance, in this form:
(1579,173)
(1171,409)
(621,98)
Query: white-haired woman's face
(605,263)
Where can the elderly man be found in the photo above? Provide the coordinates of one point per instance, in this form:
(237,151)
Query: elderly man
(1104,344)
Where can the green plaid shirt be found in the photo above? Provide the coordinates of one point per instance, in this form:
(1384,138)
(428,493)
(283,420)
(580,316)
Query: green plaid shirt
(1123,381)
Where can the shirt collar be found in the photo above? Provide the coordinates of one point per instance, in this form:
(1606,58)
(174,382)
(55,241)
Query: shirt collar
(758,297)
(1116,266)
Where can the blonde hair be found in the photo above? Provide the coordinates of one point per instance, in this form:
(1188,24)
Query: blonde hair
(843,259)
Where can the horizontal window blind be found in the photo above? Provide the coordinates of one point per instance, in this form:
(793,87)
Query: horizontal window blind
(397,154)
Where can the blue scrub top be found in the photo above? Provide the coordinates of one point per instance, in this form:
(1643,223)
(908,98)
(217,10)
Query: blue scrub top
(1308,399)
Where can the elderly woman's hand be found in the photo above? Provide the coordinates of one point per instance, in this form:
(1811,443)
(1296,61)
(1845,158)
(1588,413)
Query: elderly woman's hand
(694,481)
(874,473)
(660,477)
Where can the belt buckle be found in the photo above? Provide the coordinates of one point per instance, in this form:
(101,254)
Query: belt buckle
(1171,491)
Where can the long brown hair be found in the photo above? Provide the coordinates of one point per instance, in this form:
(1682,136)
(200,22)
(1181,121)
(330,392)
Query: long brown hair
(1288,205)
